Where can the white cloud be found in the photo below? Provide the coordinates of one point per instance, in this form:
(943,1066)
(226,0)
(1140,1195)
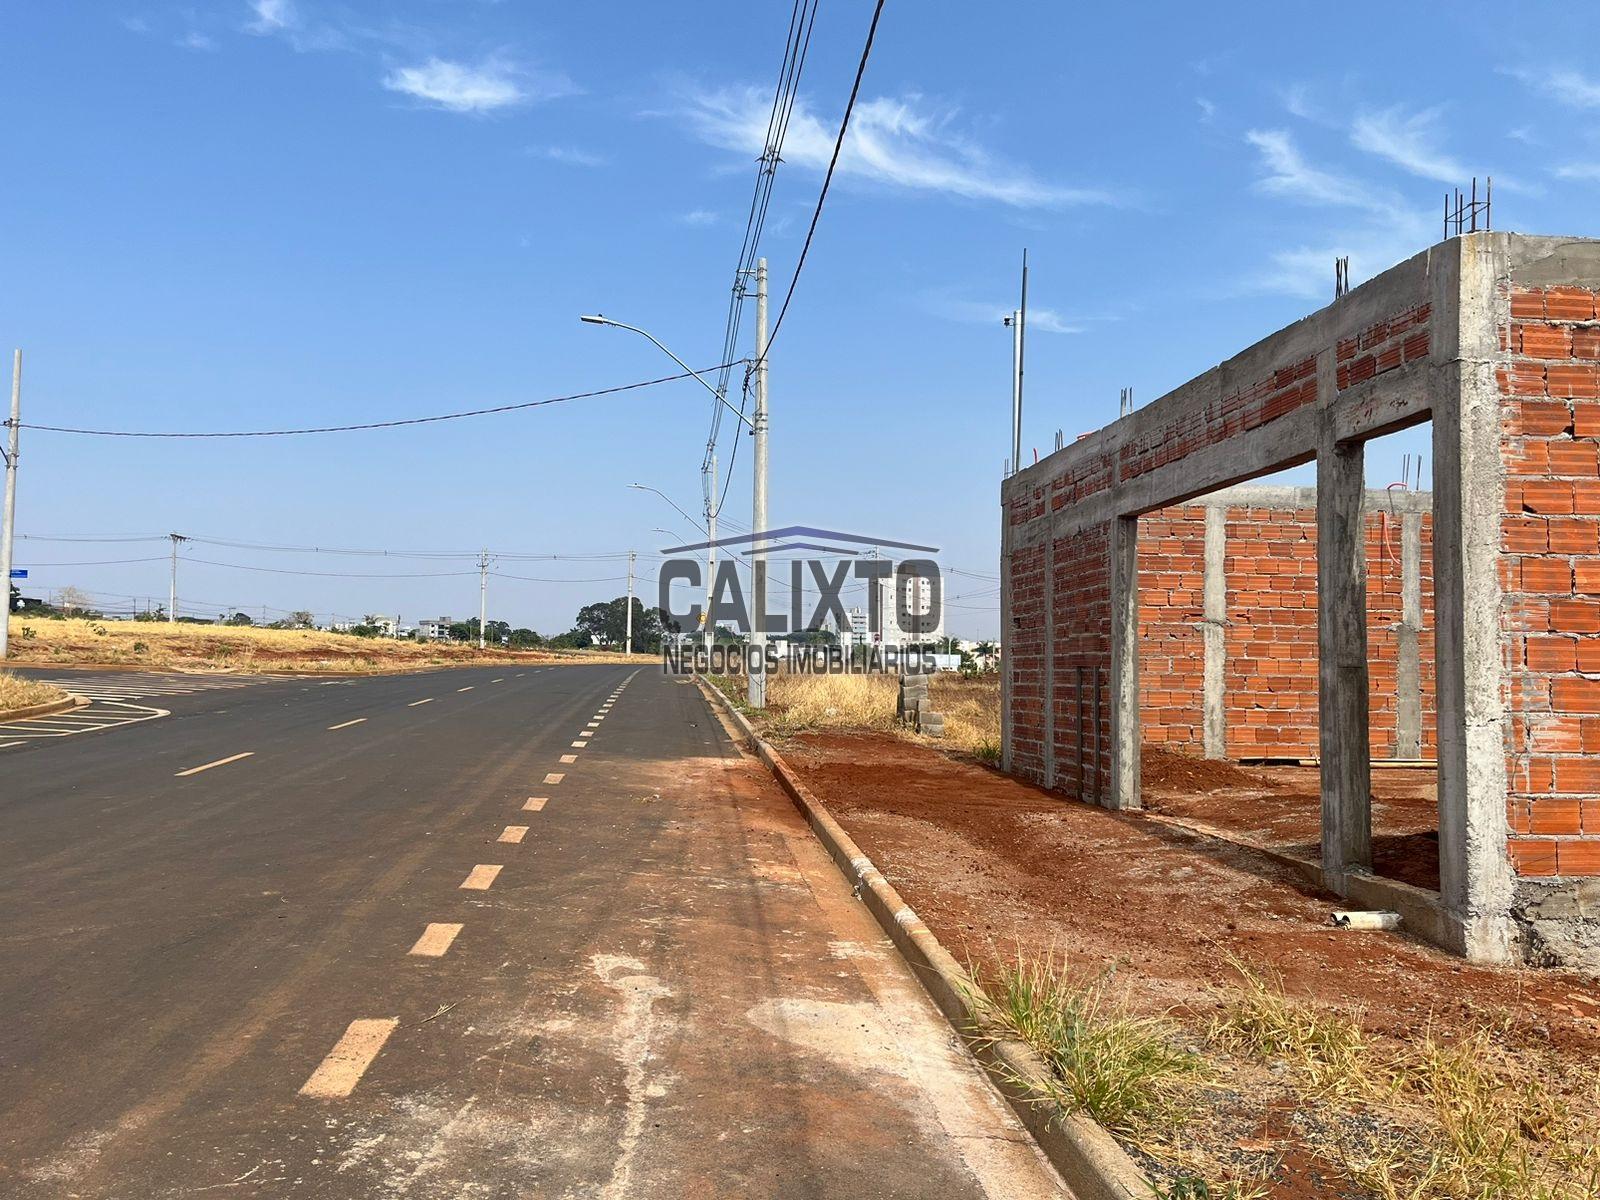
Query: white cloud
(899,143)
(1589,171)
(1287,173)
(1387,233)
(571,155)
(1567,87)
(1208,110)
(1408,142)
(699,216)
(195,40)
(272,16)
(978,312)
(482,88)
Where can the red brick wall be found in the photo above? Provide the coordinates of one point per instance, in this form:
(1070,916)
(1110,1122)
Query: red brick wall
(1550,573)
(1171,643)
(1082,663)
(1270,640)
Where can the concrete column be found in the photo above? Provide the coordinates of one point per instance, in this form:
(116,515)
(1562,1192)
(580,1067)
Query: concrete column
(1049,754)
(1008,642)
(1408,681)
(1468,502)
(1342,649)
(1125,733)
(1214,626)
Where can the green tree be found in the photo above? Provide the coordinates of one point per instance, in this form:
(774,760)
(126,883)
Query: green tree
(606,624)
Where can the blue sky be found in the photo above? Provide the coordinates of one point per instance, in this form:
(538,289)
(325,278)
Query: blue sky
(287,212)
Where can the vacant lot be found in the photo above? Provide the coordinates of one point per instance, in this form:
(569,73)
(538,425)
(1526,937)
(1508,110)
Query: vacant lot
(796,703)
(1191,994)
(159,646)
(18,693)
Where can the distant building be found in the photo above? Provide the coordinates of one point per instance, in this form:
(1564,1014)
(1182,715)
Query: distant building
(434,629)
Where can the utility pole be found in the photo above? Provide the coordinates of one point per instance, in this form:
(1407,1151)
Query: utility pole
(8,527)
(628,648)
(706,624)
(483,594)
(172,595)
(757,692)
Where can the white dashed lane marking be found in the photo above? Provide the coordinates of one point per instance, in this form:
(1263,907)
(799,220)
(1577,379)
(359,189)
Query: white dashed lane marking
(435,940)
(346,724)
(414,703)
(534,804)
(569,758)
(512,833)
(349,1059)
(221,762)
(480,877)
(554,777)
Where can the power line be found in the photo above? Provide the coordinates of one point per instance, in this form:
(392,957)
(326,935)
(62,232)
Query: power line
(455,416)
(838,145)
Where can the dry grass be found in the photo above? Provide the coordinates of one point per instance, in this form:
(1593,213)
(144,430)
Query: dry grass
(17,693)
(971,707)
(1462,1119)
(249,650)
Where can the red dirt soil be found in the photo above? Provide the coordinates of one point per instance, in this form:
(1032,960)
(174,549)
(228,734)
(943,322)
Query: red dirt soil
(1281,807)
(992,864)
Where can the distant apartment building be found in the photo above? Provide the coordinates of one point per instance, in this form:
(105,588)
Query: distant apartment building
(434,629)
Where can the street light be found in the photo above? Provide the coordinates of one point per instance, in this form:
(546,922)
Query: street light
(642,487)
(757,694)
(600,319)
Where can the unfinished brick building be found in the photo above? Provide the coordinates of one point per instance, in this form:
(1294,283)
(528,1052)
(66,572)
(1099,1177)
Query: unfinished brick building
(1476,639)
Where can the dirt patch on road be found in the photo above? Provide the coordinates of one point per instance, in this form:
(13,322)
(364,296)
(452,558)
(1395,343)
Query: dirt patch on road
(1000,869)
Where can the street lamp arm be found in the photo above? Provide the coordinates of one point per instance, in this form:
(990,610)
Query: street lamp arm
(602,320)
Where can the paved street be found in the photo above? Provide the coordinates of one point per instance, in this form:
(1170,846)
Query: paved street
(511,932)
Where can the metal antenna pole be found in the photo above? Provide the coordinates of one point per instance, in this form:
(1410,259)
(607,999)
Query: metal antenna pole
(9,527)
(1022,349)
(628,647)
(757,691)
(1015,321)
(483,595)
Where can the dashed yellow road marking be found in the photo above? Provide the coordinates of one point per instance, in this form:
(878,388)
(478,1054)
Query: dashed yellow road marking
(535,804)
(569,758)
(350,1057)
(414,703)
(481,876)
(221,762)
(512,833)
(435,940)
(554,777)
(346,724)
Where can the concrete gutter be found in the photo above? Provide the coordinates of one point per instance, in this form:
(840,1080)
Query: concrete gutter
(41,710)
(1090,1161)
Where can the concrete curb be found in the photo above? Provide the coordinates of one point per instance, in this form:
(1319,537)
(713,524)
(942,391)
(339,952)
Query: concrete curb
(42,710)
(1088,1158)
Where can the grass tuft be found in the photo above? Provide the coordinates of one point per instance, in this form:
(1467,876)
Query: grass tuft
(1328,1048)
(1124,1071)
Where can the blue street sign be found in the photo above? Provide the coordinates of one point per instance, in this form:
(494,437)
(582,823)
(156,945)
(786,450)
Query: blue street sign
(19,572)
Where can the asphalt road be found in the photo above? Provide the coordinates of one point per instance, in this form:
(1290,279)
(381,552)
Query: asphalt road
(357,938)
